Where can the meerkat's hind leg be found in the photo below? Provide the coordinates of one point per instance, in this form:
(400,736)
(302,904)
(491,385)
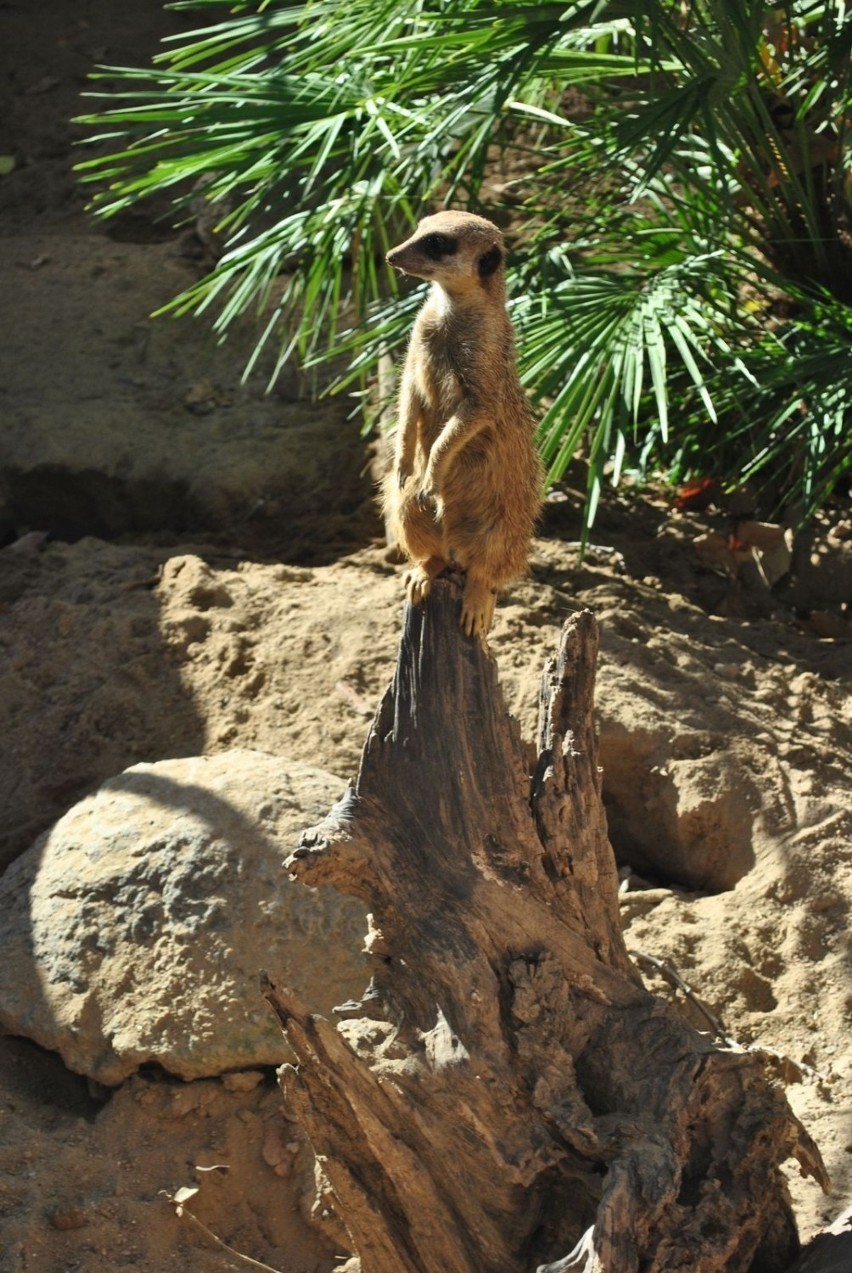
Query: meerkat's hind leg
(418,580)
(478,602)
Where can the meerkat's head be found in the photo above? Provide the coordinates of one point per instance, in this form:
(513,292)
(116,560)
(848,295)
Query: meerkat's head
(458,250)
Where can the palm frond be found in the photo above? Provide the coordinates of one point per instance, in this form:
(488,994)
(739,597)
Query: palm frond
(706,175)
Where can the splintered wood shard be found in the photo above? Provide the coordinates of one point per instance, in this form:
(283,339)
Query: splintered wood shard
(508,1097)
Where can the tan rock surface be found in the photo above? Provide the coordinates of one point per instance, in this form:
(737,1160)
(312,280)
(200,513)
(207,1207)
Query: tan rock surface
(134,930)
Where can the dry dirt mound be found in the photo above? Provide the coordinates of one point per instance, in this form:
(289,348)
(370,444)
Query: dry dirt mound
(726,755)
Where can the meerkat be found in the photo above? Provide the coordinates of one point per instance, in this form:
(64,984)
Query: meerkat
(465,486)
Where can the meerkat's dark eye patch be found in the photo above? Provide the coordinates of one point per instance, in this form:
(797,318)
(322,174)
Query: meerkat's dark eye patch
(489,262)
(437,245)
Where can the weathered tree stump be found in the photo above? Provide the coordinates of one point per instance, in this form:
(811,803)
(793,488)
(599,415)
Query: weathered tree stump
(508,1096)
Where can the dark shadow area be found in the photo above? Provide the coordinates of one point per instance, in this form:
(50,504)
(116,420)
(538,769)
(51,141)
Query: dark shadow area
(125,705)
(86,685)
(828,1253)
(114,424)
(802,617)
(29,1073)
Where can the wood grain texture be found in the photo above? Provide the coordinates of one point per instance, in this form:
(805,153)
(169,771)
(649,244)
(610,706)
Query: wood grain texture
(507,1096)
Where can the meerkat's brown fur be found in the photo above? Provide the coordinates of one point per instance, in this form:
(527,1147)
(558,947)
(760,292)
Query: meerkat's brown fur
(465,488)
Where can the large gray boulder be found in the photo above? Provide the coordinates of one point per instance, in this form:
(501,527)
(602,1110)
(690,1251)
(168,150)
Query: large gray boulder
(134,930)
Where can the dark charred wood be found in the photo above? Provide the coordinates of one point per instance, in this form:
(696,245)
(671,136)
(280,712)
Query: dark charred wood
(828,1253)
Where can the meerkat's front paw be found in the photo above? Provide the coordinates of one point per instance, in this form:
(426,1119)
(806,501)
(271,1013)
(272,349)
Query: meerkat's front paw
(427,497)
(478,605)
(403,473)
(430,487)
(418,584)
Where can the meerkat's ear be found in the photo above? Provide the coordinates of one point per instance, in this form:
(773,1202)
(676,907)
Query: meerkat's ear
(489,262)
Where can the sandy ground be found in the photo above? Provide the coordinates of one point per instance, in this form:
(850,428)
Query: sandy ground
(129,643)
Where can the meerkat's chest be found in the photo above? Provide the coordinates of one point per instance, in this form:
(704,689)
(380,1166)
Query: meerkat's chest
(438,386)
(437,362)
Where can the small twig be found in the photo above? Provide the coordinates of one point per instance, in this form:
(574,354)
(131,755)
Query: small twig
(182,1210)
(673,977)
(670,974)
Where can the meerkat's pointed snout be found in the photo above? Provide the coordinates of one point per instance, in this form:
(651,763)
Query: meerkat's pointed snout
(453,249)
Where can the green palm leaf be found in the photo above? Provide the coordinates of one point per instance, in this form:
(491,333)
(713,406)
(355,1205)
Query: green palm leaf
(700,182)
